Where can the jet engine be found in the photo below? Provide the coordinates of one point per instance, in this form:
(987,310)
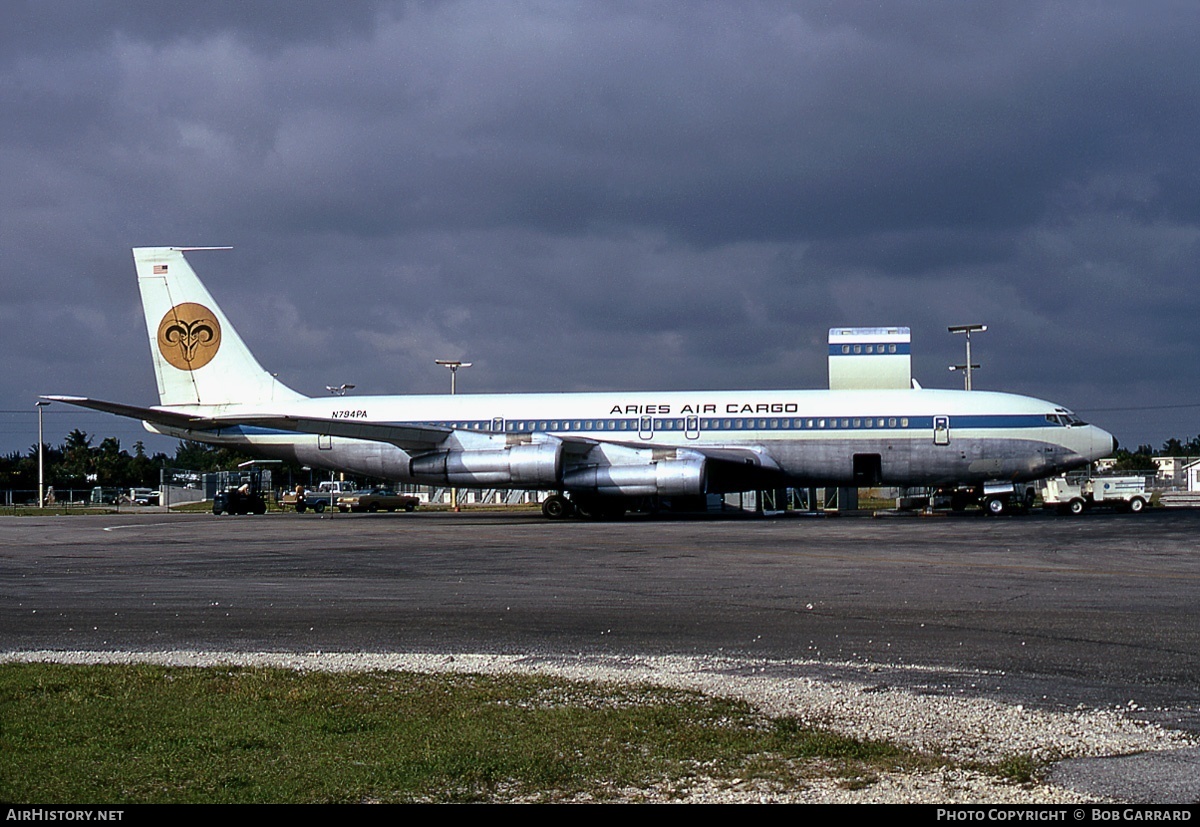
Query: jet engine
(517,466)
(664,478)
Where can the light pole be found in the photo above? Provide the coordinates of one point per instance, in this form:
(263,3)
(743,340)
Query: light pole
(963,367)
(336,390)
(41,464)
(453,365)
(968,329)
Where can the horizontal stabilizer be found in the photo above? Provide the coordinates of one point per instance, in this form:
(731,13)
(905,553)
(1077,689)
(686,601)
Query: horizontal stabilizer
(407,437)
(157,416)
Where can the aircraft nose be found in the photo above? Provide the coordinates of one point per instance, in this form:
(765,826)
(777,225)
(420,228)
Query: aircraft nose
(1105,444)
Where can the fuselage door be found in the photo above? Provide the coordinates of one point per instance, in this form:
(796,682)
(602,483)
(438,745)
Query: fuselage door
(498,425)
(941,430)
(324,442)
(691,427)
(646,427)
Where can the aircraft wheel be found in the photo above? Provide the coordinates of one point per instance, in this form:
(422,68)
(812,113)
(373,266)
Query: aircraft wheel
(556,507)
(995,506)
(1076,507)
(1136,505)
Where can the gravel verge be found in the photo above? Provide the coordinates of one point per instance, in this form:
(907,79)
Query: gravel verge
(964,730)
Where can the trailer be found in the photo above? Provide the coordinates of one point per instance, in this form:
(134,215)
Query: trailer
(1075,495)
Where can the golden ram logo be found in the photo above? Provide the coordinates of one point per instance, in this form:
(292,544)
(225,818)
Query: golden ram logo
(189,336)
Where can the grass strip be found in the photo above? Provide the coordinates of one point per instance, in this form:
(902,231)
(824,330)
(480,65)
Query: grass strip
(134,734)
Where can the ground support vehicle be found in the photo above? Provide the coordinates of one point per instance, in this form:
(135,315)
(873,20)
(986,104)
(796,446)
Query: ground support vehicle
(1005,497)
(994,498)
(243,491)
(377,499)
(1075,495)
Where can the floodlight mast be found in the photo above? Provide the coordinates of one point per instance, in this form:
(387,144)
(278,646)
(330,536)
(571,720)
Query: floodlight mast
(453,365)
(968,329)
(41,461)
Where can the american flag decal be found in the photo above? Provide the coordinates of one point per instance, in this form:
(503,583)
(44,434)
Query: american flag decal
(160,269)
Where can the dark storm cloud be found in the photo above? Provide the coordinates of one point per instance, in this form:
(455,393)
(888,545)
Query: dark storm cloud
(608,194)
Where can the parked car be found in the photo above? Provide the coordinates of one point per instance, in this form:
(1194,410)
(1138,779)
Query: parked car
(144,496)
(377,499)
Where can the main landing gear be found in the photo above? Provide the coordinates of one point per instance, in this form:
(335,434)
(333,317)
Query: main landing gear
(559,507)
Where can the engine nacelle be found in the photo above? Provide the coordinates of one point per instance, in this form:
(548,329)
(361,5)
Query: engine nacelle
(665,478)
(517,466)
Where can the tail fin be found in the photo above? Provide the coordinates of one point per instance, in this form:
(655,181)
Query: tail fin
(199,359)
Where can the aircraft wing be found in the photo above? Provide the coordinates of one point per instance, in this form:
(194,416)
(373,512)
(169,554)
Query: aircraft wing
(734,464)
(407,437)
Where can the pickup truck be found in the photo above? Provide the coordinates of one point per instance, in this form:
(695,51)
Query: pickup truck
(377,499)
(319,498)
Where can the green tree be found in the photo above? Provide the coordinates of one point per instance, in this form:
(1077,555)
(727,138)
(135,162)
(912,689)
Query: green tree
(77,461)
(1139,460)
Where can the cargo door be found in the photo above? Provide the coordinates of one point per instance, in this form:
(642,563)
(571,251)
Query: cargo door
(941,430)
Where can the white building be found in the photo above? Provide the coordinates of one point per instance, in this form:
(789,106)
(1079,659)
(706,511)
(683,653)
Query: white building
(1191,473)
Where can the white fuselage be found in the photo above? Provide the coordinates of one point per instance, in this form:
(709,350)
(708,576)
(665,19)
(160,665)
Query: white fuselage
(902,437)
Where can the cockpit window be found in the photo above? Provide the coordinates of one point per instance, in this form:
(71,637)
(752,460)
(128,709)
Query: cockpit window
(1064,418)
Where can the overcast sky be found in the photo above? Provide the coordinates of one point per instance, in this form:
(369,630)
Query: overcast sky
(608,195)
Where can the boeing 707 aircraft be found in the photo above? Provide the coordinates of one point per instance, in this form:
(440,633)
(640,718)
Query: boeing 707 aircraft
(597,451)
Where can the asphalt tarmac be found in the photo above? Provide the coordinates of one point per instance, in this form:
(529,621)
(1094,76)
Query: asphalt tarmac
(1056,612)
